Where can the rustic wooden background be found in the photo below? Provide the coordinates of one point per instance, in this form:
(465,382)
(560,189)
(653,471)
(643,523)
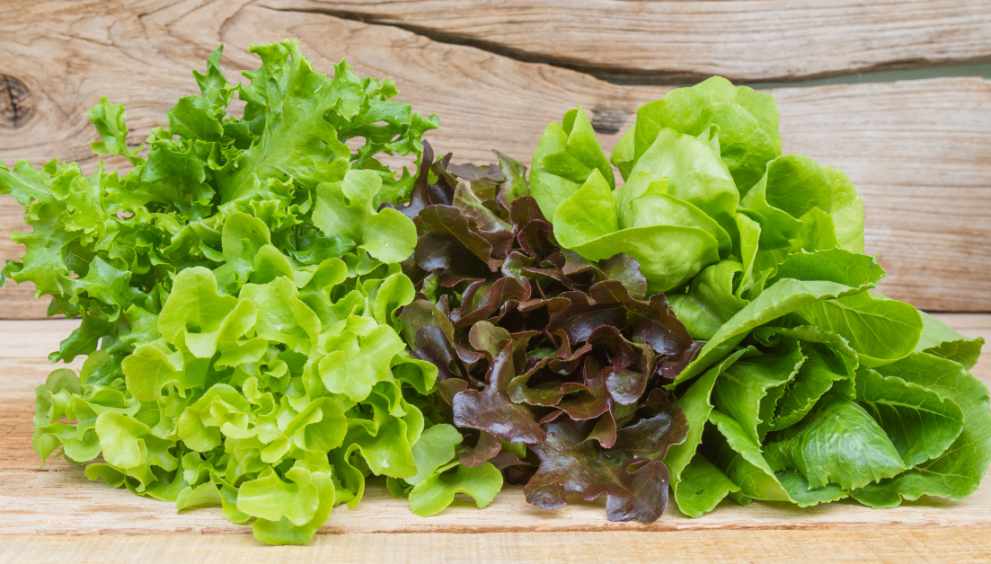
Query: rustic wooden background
(496,72)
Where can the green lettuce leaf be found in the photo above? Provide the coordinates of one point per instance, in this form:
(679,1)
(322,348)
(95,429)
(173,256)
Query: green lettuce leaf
(746,121)
(238,289)
(760,255)
(784,297)
(838,442)
(958,471)
(939,340)
(566,156)
(437,492)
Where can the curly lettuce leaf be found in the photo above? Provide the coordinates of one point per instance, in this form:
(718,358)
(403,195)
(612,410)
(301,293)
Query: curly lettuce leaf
(238,289)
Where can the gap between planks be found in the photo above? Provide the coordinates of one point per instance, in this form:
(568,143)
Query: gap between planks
(638,42)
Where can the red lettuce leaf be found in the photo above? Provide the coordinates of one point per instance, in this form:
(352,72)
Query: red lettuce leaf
(491,409)
(572,464)
(566,356)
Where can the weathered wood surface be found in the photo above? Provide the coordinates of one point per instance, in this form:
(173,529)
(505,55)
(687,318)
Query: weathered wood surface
(900,546)
(670,40)
(496,73)
(917,151)
(58,500)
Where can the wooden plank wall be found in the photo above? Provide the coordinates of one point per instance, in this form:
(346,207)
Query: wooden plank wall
(665,41)
(497,72)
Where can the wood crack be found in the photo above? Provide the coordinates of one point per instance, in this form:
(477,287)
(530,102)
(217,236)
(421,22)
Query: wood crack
(617,76)
(631,76)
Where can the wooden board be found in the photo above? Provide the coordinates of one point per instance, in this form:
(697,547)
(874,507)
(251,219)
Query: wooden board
(56,514)
(902,546)
(917,151)
(669,40)
(496,73)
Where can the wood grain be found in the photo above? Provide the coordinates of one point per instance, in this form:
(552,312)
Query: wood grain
(670,40)
(908,546)
(971,326)
(917,151)
(59,500)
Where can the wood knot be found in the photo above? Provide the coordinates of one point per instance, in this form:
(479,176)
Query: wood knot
(608,121)
(16,102)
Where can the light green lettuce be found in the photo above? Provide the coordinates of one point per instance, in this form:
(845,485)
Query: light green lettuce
(238,290)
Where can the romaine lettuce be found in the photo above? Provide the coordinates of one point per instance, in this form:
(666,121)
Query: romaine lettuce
(810,386)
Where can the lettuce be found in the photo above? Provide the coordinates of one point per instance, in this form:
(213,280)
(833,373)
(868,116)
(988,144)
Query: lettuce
(810,386)
(270,315)
(238,291)
(552,365)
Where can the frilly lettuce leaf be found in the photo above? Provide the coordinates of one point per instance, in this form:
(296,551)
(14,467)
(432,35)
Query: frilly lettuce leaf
(346,209)
(238,289)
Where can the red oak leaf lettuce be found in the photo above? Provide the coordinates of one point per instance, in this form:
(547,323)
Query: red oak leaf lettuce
(538,346)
